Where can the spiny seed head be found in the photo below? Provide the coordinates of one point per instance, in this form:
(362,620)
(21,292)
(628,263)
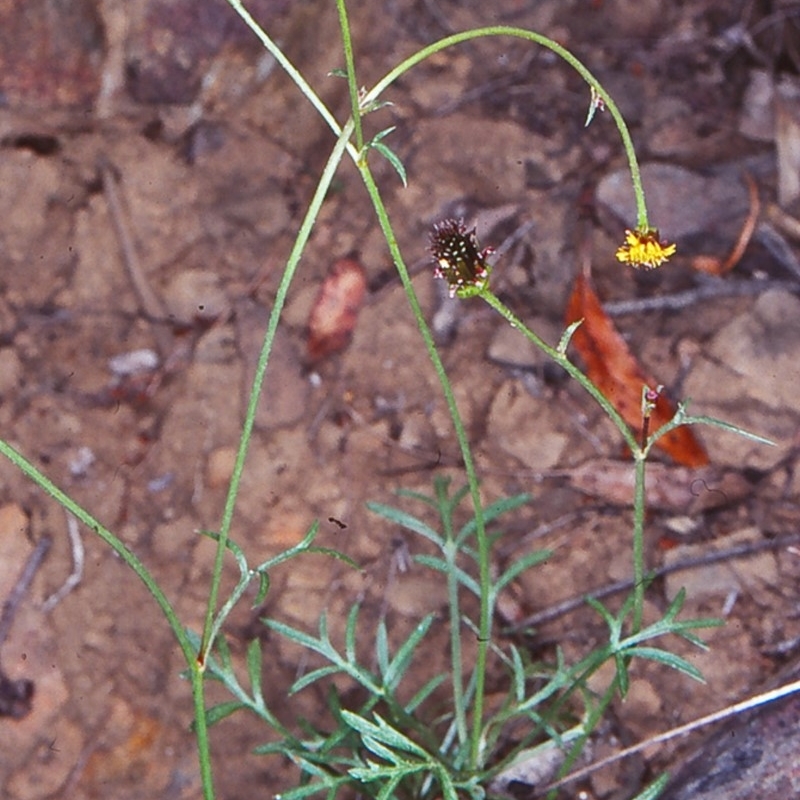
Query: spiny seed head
(459,259)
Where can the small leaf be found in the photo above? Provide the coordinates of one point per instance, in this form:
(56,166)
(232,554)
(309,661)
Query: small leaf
(216,713)
(440,565)
(397,668)
(381,731)
(407,521)
(263,588)
(518,567)
(335,310)
(389,154)
(492,512)
(312,677)
(566,337)
(350,635)
(254,668)
(298,636)
(382,649)
(670,659)
(422,695)
(394,160)
(654,789)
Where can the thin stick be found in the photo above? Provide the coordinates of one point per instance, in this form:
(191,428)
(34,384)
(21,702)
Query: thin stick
(682,730)
(709,290)
(149,302)
(22,585)
(76,575)
(573,603)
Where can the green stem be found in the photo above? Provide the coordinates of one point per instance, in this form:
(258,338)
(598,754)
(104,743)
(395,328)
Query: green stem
(454,607)
(292,71)
(639,505)
(630,439)
(562,360)
(485,620)
(258,380)
(520,33)
(352,83)
(132,561)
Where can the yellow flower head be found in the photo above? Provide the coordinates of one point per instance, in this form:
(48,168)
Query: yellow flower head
(644,250)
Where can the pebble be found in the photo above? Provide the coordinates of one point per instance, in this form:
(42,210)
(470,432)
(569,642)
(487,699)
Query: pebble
(748,376)
(219,468)
(754,574)
(530,429)
(680,202)
(196,294)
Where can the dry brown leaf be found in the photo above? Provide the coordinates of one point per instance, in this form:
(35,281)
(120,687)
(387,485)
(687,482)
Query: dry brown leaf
(336,308)
(613,369)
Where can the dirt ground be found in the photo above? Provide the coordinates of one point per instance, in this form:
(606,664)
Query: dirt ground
(163,121)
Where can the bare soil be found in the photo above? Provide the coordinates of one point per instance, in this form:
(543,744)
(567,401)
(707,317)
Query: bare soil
(206,155)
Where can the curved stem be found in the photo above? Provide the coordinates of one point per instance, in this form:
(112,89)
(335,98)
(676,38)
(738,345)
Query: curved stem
(566,365)
(485,620)
(258,380)
(520,33)
(133,562)
(352,83)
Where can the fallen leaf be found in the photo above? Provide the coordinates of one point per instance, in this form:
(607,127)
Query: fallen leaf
(613,369)
(335,311)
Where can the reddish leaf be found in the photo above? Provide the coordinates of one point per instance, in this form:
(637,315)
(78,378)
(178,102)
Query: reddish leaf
(614,370)
(336,308)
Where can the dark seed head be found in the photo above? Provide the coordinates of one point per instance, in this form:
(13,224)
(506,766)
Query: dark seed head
(459,259)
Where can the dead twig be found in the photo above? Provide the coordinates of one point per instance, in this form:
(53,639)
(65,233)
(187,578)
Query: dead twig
(778,247)
(16,696)
(74,578)
(710,289)
(740,551)
(151,305)
(682,730)
(21,586)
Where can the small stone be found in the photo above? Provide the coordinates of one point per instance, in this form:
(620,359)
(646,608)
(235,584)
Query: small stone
(10,371)
(528,428)
(717,581)
(680,202)
(133,362)
(194,295)
(15,546)
(219,468)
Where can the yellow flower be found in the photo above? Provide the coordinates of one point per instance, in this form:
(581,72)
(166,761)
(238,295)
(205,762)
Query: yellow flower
(644,250)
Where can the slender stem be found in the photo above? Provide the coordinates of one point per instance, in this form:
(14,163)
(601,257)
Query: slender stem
(258,380)
(567,365)
(352,83)
(639,504)
(132,561)
(454,608)
(638,452)
(485,620)
(544,41)
(292,71)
